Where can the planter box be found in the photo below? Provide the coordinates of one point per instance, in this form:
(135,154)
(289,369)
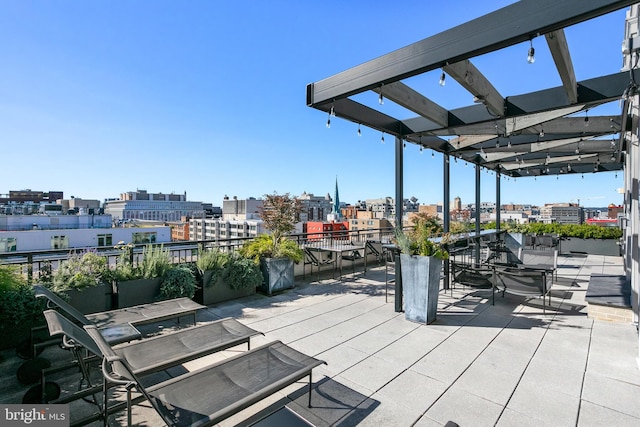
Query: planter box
(277,274)
(421,284)
(219,291)
(92,299)
(136,292)
(608,247)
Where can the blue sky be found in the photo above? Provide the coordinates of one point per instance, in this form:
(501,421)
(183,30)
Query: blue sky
(208,97)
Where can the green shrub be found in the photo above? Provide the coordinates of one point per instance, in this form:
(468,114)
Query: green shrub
(213,260)
(264,246)
(242,273)
(419,240)
(177,282)
(583,231)
(18,304)
(79,271)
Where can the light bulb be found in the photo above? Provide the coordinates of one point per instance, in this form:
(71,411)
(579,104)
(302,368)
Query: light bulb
(442,81)
(382,138)
(332,112)
(432,154)
(586,121)
(329,121)
(380,98)
(359,131)
(569,167)
(541,133)
(531,55)
(420,149)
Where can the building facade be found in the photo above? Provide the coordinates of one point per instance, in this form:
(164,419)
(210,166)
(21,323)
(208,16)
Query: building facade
(143,206)
(314,208)
(561,213)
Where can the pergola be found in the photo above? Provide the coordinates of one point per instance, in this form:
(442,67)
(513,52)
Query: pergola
(516,135)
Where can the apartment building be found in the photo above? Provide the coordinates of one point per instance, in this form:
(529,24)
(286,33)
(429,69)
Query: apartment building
(144,206)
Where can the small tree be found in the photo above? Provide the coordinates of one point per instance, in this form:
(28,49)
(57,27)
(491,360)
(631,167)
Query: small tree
(279,213)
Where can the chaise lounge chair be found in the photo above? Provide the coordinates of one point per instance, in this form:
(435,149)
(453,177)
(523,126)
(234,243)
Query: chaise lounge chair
(117,319)
(153,354)
(211,394)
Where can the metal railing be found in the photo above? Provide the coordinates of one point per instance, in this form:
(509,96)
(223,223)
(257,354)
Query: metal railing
(33,264)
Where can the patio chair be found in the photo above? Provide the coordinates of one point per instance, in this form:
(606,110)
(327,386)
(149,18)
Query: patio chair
(137,315)
(316,259)
(213,393)
(471,275)
(352,257)
(526,282)
(541,259)
(153,354)
(373,247)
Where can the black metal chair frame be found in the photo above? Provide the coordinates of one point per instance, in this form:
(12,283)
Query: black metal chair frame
(318,262)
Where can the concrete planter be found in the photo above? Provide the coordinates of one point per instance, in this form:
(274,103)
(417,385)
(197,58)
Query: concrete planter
(212,293)
(421,284)
(92,299)
(139,291)
(609,247)
(277,273)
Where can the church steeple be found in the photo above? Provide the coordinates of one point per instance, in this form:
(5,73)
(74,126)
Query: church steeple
(336,202)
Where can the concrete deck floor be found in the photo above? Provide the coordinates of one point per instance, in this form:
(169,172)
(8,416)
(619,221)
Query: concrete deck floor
(479,364)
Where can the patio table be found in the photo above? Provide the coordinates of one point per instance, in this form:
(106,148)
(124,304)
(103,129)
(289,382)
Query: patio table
(339,249)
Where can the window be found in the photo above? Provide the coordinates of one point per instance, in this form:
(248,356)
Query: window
(105,240)
(59,242)
(8,244)
(146,237)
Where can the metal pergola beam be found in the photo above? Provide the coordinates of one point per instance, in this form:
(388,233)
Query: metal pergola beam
(557,43)
(408,98)
(470,78)
(510,25)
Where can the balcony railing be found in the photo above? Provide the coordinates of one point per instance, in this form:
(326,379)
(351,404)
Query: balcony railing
(35,263)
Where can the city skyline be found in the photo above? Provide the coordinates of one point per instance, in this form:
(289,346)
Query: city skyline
(70,195)
(208,98)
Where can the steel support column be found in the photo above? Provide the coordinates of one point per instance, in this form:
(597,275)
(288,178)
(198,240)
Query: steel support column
(477,245)
(446,209)
(399,215)
(497,201)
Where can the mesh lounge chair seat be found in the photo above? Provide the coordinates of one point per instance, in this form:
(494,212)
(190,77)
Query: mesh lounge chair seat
(529,283)
(160,352)
(209,395)
(137,315)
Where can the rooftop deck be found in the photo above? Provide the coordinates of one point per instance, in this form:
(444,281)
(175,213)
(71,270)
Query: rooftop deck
(477,365)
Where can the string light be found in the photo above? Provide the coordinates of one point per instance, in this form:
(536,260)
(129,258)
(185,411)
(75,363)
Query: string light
(329,121)
(531,55)
(380,97)
(382,138)
(569,167)
(442,80)
(541,133)
(586,118)
(421,149)
(359,131)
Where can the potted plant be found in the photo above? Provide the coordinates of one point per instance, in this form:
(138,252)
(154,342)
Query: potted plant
(139,283)
(20,310)
(274,252)
(420,264)
(226,276)
(80,279)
